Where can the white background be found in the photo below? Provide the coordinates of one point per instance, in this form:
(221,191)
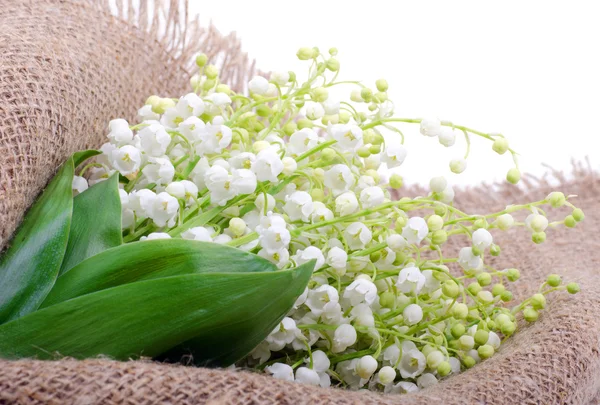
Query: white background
(527,69)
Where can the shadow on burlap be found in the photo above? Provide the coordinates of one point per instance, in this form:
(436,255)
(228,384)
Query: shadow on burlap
(67,68)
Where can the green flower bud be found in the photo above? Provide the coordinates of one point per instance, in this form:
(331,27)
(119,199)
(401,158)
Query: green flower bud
(458,330)
(400,223)
(305,123)
(223,88)
(491,324)
(195,81)
(460,311)
(374,174)
(506,296)
(396,181)
(208,84)
(573,288)
(466,342)
(468,361)
(500,146)
(530,314)
(578,214)
(495,250)
(474,288)
(458,166)
(211,72)
(439,237)
(476,251)
(381,84)
(485,351)
(387,299)
(427,350)
(570,221)
(363,152)
(444,368)
(484,279)
(263,110)
(513,274)
(485,297)
(163,105)
(319,94)
(375,149)
(501,319)
(440,210)
(453,344)
(553,280)
(366,94)
(344,117)
(435,222)
(508,328)
(305,53)
(505,221)
(538,237)
(355,96)
(317,194)
(513,176)
(330,119)
(538,301)
(375,256)
(557,199)
(201,60)
(332,64)
(481,336)
(290,128)
(333,51)
(450,289)
(498,289)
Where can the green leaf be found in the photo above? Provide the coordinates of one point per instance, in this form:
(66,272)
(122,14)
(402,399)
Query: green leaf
(30,266)
(151,259)
(96,222)
(230,313)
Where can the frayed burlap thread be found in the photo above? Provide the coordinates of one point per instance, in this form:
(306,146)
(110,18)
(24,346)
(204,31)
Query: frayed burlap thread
(68,66)
(555,360)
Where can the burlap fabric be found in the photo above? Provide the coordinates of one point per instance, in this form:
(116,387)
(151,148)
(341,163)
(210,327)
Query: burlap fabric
(66,68)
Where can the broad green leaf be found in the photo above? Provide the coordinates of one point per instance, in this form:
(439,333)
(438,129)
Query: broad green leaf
(95,224)
(31,263)
(229,312)
(30,266)
(151,259)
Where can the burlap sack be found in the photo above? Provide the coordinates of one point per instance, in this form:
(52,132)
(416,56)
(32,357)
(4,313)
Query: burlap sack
(68,67)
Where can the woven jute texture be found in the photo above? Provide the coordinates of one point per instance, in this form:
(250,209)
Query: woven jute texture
(66,66)
(553,361)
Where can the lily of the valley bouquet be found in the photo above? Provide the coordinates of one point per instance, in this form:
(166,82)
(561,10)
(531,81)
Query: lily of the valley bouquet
(269,230)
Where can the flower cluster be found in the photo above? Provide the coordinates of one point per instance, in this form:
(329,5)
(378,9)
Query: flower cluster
(293,174)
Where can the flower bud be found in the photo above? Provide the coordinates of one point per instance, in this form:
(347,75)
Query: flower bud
(513,176)
(305,53)
(505,221)
(538,301)
(500,146)
(259,146)
(506,296)
(438,184)
(484,279)
(513,274)
(332,64)
(290,128)
(466,342)
(396,181)
(434,358)
(366,94)
(578,214)
(556,199)
(460,311)
(201,60)
(444,368)
(237,226)
(481,336)
(458,165)
(211,72)
(305,123)
(530,314)
(435,222)
(458,330)
(553,280)
(386,375)
(498,289)
(538,237)
(328,154)
(363,152)
(474,288)
(440,210)
(508,328)
(570,221)
(485,351)
(495,250)
(573,288)
(366,366)
(355,96)
(450,289)
(381,84)
(195,81)
(439,237)
(317,194)
(289,165)
(481,223)
(319,94)
(469,361)
(485,297)
(387,299)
